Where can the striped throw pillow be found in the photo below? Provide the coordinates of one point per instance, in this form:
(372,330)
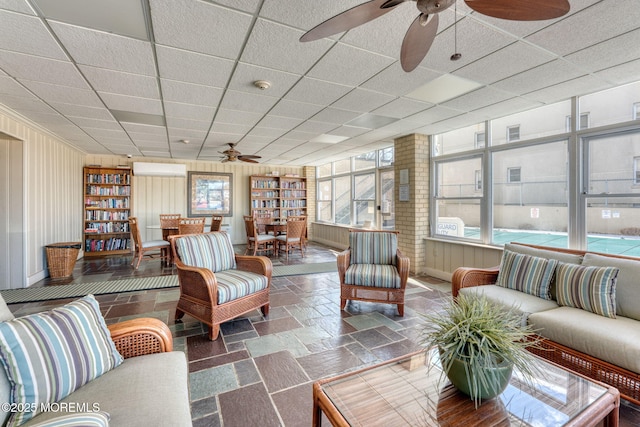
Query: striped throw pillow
(373,247)
(49,355)
(213,251)
(526,273)
(589,288)
(77,419)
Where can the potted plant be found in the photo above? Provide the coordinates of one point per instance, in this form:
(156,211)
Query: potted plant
(479,343)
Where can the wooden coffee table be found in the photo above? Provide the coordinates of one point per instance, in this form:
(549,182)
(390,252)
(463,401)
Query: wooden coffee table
(408,392)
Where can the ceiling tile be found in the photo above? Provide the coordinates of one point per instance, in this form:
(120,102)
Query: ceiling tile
(40,69)
(278,122)
(275,46)
(242,101)
(201,69)
(64,94)
(320,92)
(402,107)
(73,110)
(237,116)
(245,74)
(194,25)
(104,80)
(395,81)
(335,115)
(621,74)
(105,50)
(17,6)
(362,100)
(27,34)
(539,77)
(189,111)
(293,109)
(618,50)
(130,103)
(190,93)
(182,123)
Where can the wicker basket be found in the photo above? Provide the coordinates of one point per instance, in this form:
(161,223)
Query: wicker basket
(61,258)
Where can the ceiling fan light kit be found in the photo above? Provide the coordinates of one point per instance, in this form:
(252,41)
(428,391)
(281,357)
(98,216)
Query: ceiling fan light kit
(421,33)
(232,155)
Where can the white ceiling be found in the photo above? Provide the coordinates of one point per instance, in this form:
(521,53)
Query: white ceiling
(138,76)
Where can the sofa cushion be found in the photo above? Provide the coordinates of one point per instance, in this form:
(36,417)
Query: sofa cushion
(378,276)
(615,341)
(373,247)
(234,284)
(5,313)
(5,387)
(524,303)
(627,282)
(150,390)
(48,355)
(77,419)
(529,274)
(589,288)
(547,254)
(213,251)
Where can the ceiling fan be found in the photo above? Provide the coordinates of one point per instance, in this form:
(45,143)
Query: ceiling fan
(422,31)
(231,155)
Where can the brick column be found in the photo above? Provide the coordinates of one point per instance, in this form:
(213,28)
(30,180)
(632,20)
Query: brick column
(309,172)
(412,153)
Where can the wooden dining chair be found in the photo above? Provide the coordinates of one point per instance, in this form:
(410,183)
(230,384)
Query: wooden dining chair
(261,222)
(190,225)
(258,242)
(147,249)
(296,229)
(169,225)
(216,223)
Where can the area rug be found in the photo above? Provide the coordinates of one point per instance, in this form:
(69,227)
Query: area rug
(73,290)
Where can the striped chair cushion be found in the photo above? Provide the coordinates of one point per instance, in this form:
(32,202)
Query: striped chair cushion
(49,355)
(375,275)
(234,284)
(373,247)
(526,273)
(213,251)
(589,288)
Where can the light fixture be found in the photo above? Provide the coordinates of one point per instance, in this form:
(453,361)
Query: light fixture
(185,141)
(262,84)
(456,55)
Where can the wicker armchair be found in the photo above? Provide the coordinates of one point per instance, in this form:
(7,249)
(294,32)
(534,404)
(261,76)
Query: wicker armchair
(137,337)
(294,236)
(216,223)
(190,225)
(373,269)
(216,285)
(146,249)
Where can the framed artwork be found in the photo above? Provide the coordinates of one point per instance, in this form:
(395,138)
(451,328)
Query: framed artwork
(210,193)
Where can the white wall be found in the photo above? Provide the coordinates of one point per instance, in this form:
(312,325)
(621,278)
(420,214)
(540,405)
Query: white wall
(52,186)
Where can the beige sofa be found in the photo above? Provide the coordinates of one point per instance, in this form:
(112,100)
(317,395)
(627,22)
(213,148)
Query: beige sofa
(603,348)
(149,388)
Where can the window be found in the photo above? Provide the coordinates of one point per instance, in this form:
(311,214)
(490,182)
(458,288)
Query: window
(636,111)
(323,202)
(385,157)
(343,200)
(364,197)
(324,170)
(479,140)
(513,174)
(458,140)
(636,170)
(611,106)
(584,122)
(365,161)
(513,133)
(342,166)
(478,180)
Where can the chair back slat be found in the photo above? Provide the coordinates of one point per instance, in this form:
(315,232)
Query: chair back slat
(169,220)
(213,251)
(190,225)
(373,247)
(216,223)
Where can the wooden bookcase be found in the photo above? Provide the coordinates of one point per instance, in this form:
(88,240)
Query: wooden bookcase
(107,206)
(278,196)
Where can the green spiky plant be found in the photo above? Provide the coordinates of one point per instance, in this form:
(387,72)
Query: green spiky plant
(483,336)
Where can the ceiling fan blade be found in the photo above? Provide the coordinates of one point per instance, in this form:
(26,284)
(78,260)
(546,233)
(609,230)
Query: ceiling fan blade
(249,156)
(348,19)
(244,159)
(417,42)
(520,10)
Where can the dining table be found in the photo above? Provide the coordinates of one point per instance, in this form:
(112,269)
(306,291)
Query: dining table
(276,228)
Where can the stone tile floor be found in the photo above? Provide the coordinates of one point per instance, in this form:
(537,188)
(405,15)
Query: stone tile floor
(261,370)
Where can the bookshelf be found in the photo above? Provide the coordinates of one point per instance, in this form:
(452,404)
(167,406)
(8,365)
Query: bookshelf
(278,196)
(107,205)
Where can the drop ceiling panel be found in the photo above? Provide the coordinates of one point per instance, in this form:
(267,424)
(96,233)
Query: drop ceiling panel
(279,122)
(245,74)
(27,34)
(270,133)
(362,100)
(189,111)
(190,93)
(395,81)
(96,48)
(478,99)
(349,65)
(130,103)
(432,115)
(39,69)
(73,110)
(335,115)
(618,50)
(621,74)
(242,101)
(9,86)
(318,92)
(610,20)
(95,123)
(137,128)
(402,107)
(64,94)
(182,123)
(231,128)
(296,110)
(579,86)
(276,46)
(17,6)
(194,25)
(236,116)
(181,65)
(539,77)
(316,127)
(304,14)
(104,80)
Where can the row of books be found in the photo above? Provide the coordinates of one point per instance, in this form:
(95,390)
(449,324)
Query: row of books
(295,203)
(108,178)
(106,215)
(113,244)
(95,190)
(106,227)
(108,203)
(294,193)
